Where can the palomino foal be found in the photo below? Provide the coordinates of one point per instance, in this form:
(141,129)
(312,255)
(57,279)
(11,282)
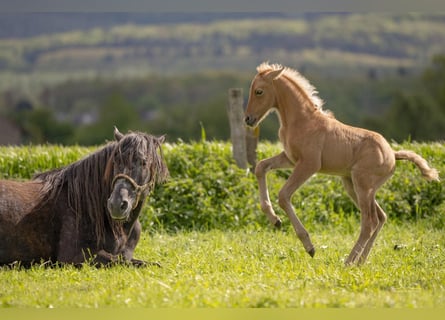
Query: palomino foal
(314,141)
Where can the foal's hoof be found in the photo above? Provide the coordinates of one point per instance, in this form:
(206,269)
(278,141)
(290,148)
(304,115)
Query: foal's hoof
(312,252)
(277,224)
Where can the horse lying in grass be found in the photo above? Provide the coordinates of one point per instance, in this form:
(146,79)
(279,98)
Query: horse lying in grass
(84,212)
(314,141)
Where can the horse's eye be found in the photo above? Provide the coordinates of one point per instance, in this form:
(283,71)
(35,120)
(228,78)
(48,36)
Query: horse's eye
(258,92)
(142,162)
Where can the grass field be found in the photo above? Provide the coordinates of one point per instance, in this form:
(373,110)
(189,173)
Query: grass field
(217,250)
(248,268)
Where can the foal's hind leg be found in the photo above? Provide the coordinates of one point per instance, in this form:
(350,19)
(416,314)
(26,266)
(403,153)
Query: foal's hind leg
(279,161)
(369,222)
(361,257)
(381,219)
(349,187)
(362,192)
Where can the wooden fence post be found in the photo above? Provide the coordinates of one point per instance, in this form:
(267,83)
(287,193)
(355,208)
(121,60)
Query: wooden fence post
(237,126)
(244,139)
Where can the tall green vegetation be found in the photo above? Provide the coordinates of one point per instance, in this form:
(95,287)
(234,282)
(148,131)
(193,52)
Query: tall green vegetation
(207,191)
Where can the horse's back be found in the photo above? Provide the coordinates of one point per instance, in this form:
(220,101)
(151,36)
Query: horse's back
(346,146)
(17,199)
(23,229)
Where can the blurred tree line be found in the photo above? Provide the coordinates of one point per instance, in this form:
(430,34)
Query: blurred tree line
(84,112)
(418,114)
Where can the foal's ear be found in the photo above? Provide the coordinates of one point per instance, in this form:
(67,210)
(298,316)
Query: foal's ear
(117,134)
(276,73)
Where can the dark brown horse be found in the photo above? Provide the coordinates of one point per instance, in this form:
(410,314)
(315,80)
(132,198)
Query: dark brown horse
(84,212)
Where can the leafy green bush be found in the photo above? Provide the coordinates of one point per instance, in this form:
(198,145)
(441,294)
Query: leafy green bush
(407,195)
(207,191)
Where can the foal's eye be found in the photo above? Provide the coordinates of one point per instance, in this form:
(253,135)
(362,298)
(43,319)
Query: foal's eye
(258,92)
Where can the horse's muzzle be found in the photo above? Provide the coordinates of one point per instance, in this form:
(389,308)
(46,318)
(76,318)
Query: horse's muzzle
(120,205)
(250,120)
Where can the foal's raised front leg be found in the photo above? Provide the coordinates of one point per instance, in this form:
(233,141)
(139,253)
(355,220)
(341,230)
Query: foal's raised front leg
(301,173)
(279,161)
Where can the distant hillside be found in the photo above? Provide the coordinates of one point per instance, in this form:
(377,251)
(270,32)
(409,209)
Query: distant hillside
(25,25)
(52,47)
(81,74)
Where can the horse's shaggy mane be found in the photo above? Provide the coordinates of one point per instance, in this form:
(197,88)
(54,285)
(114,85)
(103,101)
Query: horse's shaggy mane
(305,86)
(88,181)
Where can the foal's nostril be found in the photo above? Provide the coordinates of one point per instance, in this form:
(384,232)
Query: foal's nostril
(249,120)
(124,205)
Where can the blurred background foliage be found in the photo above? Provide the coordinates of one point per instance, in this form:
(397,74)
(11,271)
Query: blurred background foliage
(83,113)
(67,78)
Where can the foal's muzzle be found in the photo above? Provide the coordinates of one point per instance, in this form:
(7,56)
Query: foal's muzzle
(250,120)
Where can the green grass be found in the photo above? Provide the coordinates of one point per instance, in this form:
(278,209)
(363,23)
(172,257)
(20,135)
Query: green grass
(22,162)
(217,249)
(248,268)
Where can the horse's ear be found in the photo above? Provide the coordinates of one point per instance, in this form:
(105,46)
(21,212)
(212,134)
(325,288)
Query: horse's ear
(117,134)
(161,139)
(276,73)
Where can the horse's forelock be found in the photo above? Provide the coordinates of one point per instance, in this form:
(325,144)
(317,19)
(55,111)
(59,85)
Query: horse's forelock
(132,145)
(297,78)
(265,67)
(142,145)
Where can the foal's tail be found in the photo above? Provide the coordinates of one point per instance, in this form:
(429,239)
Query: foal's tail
(427,172)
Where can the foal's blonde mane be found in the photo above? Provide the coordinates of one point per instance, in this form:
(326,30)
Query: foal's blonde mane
(293,75)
